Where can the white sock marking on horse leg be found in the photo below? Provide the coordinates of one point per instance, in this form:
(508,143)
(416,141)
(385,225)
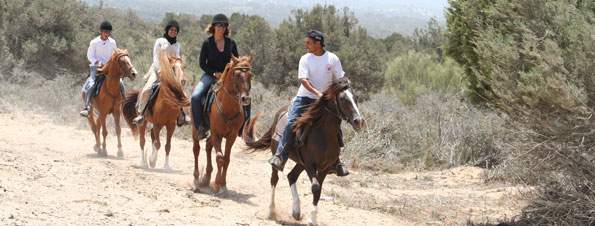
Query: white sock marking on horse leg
(143,162)
(166,165)
(153,158)
(313,214)
(296,198)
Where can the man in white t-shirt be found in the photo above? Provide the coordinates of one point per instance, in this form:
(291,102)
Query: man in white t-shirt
(316,71)
(100,50)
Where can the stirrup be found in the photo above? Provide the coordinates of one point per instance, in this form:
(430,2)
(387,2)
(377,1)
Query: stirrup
(139,120)
(277,163)
(84,113)
(201,133)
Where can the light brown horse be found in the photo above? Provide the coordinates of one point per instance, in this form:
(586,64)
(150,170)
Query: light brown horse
(164,111)
(320,148)
(226,118)
(109,97)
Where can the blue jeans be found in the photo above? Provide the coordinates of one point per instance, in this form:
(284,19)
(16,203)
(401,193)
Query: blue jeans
(206,81)
(300,105)
(90,86)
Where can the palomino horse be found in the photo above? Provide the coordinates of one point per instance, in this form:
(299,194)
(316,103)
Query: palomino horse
(109,98)
(321,146)
(170,99)
(226,118)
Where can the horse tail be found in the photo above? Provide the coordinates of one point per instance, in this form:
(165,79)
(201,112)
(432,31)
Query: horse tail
(173,92)
(262,143)
(129,110)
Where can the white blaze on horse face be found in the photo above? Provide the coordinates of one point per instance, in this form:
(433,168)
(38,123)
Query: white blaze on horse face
(351,99)
(130,62)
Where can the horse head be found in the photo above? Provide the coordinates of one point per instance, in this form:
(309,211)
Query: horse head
(345,100)
(178,65)
(125,64)
(242,76)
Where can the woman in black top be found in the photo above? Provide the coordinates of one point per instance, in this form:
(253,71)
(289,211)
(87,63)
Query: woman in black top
(215,53)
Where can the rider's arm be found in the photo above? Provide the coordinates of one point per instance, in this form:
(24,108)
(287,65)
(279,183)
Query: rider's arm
(234,48)
(204,53)
(306,83)
(338,69)
(91,53)
(156,49)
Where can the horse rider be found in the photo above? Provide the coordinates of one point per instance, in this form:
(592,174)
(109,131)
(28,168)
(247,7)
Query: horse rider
(100,50)
(169,44)
(316,71)
(215,53)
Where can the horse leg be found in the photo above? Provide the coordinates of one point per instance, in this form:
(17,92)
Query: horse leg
(228,145)
(141,134)
(156,144)
(170,132)
(216,141)
(93,126)
(292,178)
(316,189)
(196,151)
(118,132)
(101,129)
(207,178)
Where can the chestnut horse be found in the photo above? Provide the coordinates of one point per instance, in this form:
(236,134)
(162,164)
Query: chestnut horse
(109,97)
(226,118)
(170,99)
(321,146)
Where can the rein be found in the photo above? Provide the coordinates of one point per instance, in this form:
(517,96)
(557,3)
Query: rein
(337,114)
(121,68)
(235,98)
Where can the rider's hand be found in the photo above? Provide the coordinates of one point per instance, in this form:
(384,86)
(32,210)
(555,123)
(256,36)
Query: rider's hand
(319,94)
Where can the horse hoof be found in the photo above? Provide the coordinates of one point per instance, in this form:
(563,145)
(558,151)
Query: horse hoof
(296,215)
(96,148)
(215,188)
(205,182)
(152,164)
(102,153)
(120,153)
(143,165)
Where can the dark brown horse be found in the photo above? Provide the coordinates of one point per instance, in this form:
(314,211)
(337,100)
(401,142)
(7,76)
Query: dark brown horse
(164,111)
(321,146)
(109,97)
(226,118)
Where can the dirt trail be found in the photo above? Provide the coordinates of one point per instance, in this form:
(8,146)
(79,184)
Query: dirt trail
(49,175)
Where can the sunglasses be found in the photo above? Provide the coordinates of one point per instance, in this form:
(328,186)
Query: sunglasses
(221,24)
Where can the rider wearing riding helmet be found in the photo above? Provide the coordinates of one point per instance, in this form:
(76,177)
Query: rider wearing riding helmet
(100,50)
(215,53)
(171,46)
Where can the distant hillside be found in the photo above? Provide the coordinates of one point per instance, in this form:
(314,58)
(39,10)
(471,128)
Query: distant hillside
(381,18)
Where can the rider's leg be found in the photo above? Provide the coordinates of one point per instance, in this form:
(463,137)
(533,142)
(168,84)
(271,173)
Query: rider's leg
(300,105)
(246,118)
(197,106)
(90,91)
(340,169)
(144,99)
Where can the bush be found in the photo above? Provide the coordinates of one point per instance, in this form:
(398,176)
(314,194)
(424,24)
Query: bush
(414,74)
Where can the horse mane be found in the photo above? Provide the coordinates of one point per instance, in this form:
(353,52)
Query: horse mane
(173,90)
(315,112)
(112,59)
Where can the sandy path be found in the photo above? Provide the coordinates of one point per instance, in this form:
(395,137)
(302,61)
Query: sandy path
(49,175)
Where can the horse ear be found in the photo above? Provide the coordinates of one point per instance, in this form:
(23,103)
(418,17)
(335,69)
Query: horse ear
(250,57)
(234,59)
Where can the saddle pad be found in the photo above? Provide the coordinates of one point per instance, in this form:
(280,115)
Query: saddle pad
(280,126)
(154,92)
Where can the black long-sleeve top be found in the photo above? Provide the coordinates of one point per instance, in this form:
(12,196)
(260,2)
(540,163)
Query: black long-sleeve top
(211,60)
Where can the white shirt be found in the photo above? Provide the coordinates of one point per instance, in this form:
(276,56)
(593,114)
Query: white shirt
(100,50)
(320,71)
(163,44)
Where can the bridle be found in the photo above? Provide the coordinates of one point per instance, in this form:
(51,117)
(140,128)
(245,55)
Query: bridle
(339,114)
(236,98)
(127,70)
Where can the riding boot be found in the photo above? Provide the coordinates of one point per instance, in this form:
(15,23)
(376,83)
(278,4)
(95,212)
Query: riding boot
(277,162)
(88,101)
(201,133)
(140,119)
(339,169)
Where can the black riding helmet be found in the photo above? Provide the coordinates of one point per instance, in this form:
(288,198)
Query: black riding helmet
(172,23)
(105,26)
(220,18)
